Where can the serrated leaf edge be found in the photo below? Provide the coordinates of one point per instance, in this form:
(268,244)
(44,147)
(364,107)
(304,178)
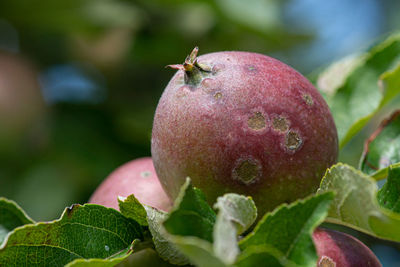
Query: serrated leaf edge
(283,206)
(9,201)
(168,238)
(383,210)
(216,206)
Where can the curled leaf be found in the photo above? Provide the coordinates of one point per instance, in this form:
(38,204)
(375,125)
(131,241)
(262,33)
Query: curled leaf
(356,205)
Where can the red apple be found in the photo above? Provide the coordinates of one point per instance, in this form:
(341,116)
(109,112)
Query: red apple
(342,250)
(245,123)
(136,177)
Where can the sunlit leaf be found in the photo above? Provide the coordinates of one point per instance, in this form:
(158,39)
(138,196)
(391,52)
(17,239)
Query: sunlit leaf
(356,205)
(131,208)
(236,214)
(165,249)
(359,97)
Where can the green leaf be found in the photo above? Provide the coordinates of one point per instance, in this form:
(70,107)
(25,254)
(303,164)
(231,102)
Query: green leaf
(383,147)
(225,245)
(131,208)
(334,76)
(356,205)
(107,262)
(165,249)
(236,214)
(383,173)
(11,217)
(390,85)
(200,252)
(239,209)
(283,237)
(191,214)
(389,194)
(145,258)
(88,231)
(355,102)
(190,227)
(263,255)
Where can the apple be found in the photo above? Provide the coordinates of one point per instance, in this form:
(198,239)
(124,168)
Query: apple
(244,123)
(136,177)
(339,249)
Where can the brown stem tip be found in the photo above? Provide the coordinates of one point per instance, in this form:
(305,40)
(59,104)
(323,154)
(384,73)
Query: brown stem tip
(194,72)
(190,61)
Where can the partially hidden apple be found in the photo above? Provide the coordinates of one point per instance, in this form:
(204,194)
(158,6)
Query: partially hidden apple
(342,250)
(136,177)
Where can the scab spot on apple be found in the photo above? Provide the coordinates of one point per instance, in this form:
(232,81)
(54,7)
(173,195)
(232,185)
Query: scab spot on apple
(256,121)
(251,69)
(308,99)
(326,262)
(247,171)
(217,95)
(293,140)
(145,174)
(280,123)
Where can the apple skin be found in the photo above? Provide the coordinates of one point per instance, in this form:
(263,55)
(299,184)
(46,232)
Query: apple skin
(249,124)
(136,177)
(342,249)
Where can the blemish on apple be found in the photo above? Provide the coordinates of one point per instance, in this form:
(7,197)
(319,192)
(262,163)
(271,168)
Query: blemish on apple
(308,99)
(247,171)
(217,95)
(280,123)
(256,121)
(293,140)
(145,174)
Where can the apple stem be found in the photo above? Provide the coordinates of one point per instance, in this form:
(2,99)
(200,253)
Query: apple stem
(194,72)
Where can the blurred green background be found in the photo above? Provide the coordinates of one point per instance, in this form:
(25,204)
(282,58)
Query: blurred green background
(80,79)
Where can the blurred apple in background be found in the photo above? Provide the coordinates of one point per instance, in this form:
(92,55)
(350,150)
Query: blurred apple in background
(21,102)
